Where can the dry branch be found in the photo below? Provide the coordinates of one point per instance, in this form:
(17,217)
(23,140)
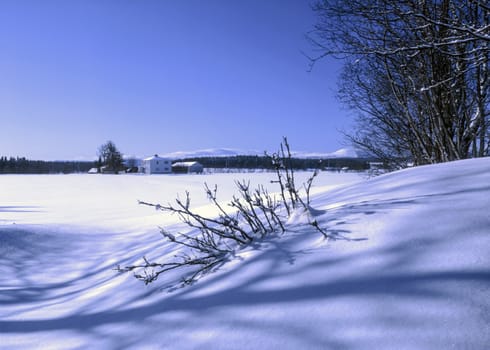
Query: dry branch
(251,215)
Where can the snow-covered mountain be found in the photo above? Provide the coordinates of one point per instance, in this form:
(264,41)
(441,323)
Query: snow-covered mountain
(340,153)
(209,152)
(231,152)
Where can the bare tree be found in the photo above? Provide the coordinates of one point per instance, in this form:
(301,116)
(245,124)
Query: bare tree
(111,157)
(416,72)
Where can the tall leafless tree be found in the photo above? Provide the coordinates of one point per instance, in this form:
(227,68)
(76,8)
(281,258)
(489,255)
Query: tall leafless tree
(416,72)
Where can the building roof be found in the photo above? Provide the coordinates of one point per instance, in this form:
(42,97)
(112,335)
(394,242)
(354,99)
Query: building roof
(156,156)
(186,164)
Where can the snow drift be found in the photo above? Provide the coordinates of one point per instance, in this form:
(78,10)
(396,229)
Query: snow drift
(413,271)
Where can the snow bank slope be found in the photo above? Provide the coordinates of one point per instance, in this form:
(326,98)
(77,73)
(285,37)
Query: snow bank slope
(414,274)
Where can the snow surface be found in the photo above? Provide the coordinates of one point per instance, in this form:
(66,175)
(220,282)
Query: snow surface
(414,274)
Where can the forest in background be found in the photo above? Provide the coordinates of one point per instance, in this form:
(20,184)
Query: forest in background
(21,165)
(264,162)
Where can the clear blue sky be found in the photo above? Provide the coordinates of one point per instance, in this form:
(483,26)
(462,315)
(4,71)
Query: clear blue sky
(162,76)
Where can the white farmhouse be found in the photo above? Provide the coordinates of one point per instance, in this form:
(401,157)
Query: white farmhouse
(157,165)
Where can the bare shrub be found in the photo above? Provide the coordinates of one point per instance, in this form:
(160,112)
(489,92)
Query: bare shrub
(249,216)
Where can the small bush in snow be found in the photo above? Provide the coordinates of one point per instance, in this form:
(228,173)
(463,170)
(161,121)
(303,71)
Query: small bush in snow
(252,215)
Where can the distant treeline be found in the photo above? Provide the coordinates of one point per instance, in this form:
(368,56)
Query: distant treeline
(21,165)
(263,162)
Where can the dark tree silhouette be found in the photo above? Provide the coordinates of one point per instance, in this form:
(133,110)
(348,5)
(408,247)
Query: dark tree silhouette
(111,157)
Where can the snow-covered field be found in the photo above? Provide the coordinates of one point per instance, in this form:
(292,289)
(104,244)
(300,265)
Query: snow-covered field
(415,273)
